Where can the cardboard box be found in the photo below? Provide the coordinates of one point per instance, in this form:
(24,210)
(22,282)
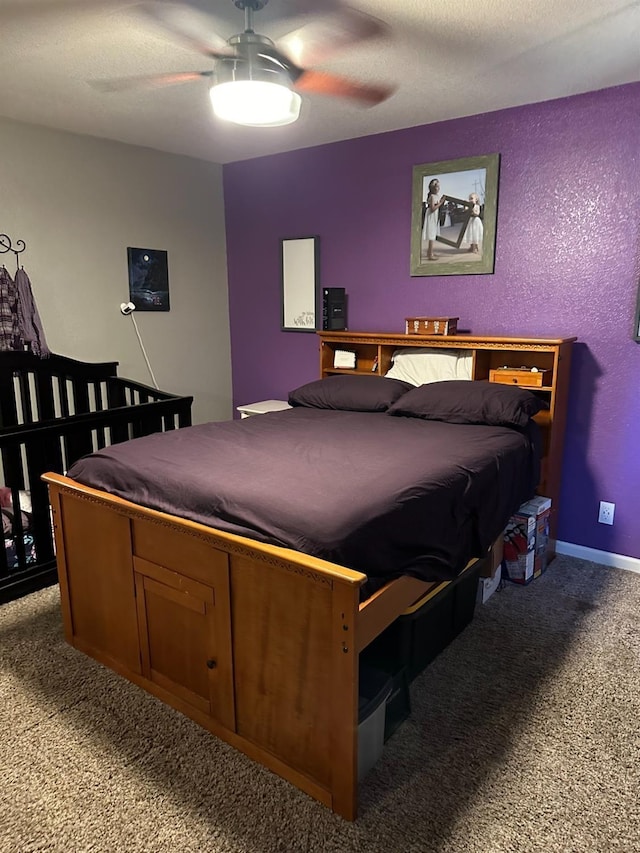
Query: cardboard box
(494,559)
(526,539)
(431,325)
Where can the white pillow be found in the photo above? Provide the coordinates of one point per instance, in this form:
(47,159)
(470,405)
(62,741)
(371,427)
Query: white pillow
(421,365)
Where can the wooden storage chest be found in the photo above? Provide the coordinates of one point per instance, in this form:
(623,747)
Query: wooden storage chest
(431,325)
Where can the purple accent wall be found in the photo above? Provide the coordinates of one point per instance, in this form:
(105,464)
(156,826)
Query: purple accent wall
(567,263)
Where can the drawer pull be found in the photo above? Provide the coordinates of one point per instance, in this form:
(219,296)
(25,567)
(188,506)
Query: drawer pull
(211,663)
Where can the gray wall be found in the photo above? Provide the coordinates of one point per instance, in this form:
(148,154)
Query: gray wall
(78,202)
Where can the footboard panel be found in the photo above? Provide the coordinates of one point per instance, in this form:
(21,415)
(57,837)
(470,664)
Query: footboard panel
(256,643)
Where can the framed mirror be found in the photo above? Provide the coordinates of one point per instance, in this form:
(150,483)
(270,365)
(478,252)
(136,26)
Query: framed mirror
(299,277)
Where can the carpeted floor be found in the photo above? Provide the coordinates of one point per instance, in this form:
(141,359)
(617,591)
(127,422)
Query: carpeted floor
(524,737)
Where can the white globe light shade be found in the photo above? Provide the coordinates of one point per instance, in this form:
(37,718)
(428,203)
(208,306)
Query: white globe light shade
(255,102)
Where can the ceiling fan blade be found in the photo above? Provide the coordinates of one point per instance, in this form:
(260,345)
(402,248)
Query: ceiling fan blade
(150,81)
(188,25)
(312,43)
(330,84)
(294,8)
(16,9)
(321,83)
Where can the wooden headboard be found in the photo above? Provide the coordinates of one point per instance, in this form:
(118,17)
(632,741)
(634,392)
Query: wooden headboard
(550,356)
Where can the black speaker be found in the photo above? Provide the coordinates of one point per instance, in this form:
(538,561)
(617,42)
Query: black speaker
(334,309)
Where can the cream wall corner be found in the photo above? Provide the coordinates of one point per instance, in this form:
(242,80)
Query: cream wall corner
(78,202)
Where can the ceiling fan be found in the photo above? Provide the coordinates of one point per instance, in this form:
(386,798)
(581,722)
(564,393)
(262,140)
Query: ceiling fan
(255,81)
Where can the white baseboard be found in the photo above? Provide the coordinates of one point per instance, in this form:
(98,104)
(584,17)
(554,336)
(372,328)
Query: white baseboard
(605,558)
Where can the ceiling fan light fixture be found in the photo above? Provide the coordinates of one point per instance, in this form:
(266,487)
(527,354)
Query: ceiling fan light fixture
(255,103)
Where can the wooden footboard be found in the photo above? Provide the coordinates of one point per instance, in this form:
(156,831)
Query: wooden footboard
(256,643)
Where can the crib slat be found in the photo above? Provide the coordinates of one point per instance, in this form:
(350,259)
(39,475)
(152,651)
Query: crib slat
(77,444)
(100,432)
(25,394)
(8,411)
(39,455)
(11,457)
(12,467)
(44,397)
(64,396)
(149,424)
(115,399)
(80,395)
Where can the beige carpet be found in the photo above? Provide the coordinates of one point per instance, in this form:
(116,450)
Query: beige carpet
(524,736)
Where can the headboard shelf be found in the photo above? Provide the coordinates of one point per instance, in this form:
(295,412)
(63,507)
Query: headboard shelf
(374,353)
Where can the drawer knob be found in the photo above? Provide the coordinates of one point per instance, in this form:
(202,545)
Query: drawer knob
(211,663)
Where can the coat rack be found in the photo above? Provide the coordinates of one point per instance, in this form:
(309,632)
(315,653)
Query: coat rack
(6,245)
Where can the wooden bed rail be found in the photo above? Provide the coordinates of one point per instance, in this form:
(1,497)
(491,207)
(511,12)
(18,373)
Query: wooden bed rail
(385,605)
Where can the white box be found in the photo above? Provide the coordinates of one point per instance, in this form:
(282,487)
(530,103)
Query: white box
(488,586)
(536,506)
(344,358)
(262,407)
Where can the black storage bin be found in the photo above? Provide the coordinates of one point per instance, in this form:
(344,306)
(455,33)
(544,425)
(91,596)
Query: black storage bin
(398,703)
(375,688)
(424,630)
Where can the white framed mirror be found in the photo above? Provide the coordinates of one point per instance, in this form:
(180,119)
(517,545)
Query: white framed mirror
(299,276)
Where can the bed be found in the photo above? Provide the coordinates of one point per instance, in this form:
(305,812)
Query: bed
(54,410)
(226,598)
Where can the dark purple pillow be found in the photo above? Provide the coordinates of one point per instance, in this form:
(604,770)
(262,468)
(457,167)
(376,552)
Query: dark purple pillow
(350,392)
(460,401)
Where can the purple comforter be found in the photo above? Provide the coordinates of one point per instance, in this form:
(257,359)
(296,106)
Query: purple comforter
(381,494)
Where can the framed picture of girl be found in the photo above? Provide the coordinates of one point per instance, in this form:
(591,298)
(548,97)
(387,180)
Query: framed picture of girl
(453,216)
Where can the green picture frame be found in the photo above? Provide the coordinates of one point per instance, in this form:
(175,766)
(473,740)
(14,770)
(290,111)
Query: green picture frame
(453,232)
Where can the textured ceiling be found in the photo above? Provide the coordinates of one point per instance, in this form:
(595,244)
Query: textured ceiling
(447,59)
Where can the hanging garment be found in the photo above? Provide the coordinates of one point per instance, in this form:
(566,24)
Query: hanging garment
(30,328)
(10,338)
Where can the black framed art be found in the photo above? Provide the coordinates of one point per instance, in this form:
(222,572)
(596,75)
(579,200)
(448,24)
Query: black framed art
(148,279)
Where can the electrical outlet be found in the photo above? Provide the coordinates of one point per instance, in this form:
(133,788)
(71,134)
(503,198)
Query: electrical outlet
(605,516)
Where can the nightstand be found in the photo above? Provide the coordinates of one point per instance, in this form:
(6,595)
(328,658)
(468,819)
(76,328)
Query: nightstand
(262,408)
